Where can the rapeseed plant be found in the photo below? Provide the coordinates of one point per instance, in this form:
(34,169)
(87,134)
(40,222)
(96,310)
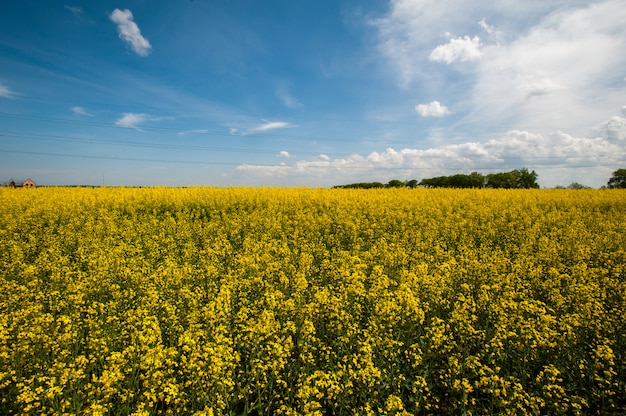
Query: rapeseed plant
(202,301)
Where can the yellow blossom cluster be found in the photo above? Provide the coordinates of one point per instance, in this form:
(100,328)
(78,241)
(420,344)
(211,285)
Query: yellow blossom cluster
(239,301)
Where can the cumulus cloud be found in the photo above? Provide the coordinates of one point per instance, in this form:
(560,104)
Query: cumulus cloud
(6,92)
(284,153)
(131,120)
(80,111)
(457,50)
(614,129)
(129,31)
(432,109)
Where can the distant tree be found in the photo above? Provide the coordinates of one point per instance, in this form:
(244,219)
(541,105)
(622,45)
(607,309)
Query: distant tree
(504,180)
(521,178)
(412,183)
(618,180)
(361,185)
(436,182)
(395,183)
(476,180)
(576,185)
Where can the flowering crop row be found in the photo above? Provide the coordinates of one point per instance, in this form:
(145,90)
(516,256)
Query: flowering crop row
(299,301)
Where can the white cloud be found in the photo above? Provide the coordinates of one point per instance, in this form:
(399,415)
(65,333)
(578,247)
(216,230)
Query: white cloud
(432,109)
(129,31)
(457,50)
(80,111)
(284,153)
(6,92)
(271,125)
(131,120)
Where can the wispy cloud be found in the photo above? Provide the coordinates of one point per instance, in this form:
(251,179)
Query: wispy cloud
(129,31)
(131,120)
(457,50)
(262,128)
(194,131)
(270,125)
(432,109)
(6,92)
(283,93)
(76,11)
(80,111)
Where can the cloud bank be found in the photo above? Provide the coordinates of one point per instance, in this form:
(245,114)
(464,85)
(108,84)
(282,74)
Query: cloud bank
(558,158)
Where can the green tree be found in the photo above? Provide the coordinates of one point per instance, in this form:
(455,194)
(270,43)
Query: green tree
(618,180)
(525,179)
(504,180)
(395,183)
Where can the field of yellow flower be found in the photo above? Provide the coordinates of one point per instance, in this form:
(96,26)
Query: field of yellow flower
(312,301)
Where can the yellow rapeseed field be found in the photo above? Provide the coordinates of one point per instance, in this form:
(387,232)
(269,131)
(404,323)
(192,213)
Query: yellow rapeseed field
(203,301)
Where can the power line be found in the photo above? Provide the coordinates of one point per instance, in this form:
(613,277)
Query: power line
(82,140)
(308,164)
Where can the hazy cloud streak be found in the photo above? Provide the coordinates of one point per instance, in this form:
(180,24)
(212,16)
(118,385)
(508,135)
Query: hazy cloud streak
(80,111)
(6,92)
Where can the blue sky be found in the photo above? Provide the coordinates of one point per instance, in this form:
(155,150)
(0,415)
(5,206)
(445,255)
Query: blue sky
(310,93)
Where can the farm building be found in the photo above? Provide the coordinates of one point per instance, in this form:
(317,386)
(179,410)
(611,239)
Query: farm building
(28,183)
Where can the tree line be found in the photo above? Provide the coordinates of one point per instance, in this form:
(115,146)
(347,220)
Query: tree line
(515,179)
